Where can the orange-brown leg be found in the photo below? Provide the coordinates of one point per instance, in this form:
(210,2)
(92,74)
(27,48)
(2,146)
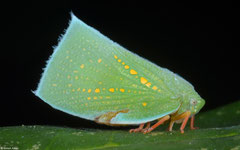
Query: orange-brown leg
(161,121)
(137,129)
(186,116)
(192,123)
(148,126)
(170,126)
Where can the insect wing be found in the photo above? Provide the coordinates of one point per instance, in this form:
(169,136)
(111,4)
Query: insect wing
(89,75)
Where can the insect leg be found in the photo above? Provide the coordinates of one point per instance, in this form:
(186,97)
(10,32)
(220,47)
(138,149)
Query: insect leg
(170,125)
(186,116)
(161,121)
(140,128)
(180,118)
(148,126)
(137,129)
(192,123)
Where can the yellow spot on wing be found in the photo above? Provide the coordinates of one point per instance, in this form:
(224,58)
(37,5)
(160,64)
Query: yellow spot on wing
(83,90)
(119,60)
(126,67)
(75,71)
(99,60)
(97,90)
(111,90)
(144,104)
(143,80)
(148,84)
(89,90)
(95,97)
(122,90)
(69,85)
(78,89)
(154,88)
(99,82)
(76,77)
(133,72)
(123,63)
(115,57)
(89,98)
(82,66)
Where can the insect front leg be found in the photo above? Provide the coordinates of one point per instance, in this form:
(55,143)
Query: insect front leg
(186,116)
(192,123)
(178,118)
(170,126)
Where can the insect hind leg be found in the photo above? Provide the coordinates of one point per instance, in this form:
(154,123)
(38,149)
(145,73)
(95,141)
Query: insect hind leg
(140,128)
(161,121)
(137,129)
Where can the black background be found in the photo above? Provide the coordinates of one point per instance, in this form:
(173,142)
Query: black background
(196,40)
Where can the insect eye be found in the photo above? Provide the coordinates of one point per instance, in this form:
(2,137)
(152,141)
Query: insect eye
(193,102)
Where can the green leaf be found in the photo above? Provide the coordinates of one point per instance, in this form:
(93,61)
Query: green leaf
(219,129)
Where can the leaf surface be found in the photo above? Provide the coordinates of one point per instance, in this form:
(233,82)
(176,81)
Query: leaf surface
(219,129)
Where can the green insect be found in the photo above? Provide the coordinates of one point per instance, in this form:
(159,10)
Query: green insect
(92,77)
